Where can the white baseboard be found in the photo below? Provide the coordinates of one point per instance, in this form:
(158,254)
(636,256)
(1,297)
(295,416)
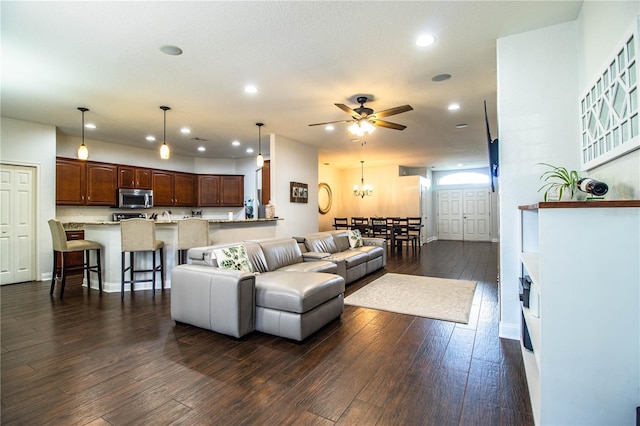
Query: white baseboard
(509,331)
(431,239)
(495,240)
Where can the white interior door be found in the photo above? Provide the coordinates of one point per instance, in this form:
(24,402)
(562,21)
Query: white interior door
(464,214)
(450,216)
(477,215)
(17,224)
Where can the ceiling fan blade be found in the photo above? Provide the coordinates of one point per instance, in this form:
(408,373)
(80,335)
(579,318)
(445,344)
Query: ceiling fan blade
(349,111)
(393,111)
(388,124)
(331,122)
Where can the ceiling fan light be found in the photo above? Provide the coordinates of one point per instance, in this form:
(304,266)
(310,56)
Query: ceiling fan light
(356,130)
(366,126)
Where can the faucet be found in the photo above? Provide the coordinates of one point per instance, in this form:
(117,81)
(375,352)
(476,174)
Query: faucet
(166,213)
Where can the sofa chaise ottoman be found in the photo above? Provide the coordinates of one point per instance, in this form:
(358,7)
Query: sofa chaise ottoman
(278,292)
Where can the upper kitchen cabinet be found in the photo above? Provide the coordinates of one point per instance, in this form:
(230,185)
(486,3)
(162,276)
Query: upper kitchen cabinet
(162,185)
(85,183)
(134,177)
(220,191)
(184,190)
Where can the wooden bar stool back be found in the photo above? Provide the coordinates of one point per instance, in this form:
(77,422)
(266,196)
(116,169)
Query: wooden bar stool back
(192,232)
(62,247)
(139,235)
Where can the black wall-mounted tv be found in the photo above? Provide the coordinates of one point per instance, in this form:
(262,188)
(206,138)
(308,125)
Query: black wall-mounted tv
(493,151)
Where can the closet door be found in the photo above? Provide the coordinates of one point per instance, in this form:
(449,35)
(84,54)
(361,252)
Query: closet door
(17,227)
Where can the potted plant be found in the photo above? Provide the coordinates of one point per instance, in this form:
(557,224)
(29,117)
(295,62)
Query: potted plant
(558,180)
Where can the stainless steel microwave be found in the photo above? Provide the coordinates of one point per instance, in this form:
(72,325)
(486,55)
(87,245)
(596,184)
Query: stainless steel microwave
(135,198)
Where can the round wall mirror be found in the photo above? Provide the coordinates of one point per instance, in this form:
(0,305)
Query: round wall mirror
(324,198)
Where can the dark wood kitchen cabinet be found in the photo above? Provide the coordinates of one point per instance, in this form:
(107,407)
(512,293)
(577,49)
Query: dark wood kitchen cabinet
(220,191)
(85,183)
(184,190)
(162,185)
(134,177)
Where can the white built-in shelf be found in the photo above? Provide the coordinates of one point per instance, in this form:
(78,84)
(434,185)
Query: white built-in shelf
(582,258)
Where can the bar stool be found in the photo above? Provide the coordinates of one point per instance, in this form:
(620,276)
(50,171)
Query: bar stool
(61,247)
(139,235)
(192,232)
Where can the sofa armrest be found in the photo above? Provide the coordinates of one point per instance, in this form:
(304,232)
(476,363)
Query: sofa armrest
(311,256)
(374,241)
(342,266)
(222,300)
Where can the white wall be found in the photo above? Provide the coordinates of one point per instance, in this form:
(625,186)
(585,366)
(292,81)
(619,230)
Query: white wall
(293,161)
(601,27)
(537,122)
(32,144)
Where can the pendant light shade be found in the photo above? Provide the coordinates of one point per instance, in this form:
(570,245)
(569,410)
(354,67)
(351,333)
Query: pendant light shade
(362,190)
(260,159)
(83,152)
(164,149)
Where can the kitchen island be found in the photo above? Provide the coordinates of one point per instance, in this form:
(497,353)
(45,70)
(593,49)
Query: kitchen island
(108,234)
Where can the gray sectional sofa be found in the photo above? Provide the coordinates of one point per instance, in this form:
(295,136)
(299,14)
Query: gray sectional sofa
(292,287)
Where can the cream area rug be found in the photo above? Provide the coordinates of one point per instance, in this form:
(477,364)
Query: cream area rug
(438,298)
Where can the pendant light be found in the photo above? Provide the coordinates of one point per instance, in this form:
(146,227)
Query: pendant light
(362,190)
(260,159)
(83,152)
(164,149)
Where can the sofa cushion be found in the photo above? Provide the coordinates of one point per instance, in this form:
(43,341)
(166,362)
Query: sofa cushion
(323,242)
(234,257)
(294,291)
(313,266)
(341,239)
(372,252)
(355,238)
(280,253)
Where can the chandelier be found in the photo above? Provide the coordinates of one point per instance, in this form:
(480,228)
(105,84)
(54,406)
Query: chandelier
(362,190)
(360,127)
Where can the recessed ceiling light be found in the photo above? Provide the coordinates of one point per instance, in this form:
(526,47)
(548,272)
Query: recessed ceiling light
(250,89)
(461,125)
(90,126)
(329,127)
(249,150)
(453,107)
(425,40)
(441,77)
(185,130)
(150,138)
(235,143)
(460,164)
(171,50)
(202,149)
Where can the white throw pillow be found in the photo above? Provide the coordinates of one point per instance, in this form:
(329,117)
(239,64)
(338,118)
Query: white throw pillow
(355,238)
(234,257)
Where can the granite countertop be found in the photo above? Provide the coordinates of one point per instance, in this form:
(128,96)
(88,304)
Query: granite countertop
(79,224)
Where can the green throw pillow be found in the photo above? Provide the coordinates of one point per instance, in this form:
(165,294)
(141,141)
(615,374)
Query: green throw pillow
(234,257)
(355,238)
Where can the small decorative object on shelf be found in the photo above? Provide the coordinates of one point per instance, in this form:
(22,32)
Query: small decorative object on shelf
(593,187)
(270,210)
(557,181)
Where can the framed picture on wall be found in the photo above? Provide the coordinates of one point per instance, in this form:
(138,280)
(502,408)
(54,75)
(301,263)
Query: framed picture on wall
(299,192)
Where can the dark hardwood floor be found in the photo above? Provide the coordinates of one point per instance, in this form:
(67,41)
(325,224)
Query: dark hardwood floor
(91,359)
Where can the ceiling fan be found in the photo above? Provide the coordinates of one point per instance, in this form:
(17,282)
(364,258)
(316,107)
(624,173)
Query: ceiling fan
(364,117)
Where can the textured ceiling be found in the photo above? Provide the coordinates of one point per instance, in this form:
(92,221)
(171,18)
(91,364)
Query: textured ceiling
(303,57)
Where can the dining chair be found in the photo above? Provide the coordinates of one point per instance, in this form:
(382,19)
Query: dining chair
(340,223)
(401,233)
(379,228)
(415,231)
(360,223)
